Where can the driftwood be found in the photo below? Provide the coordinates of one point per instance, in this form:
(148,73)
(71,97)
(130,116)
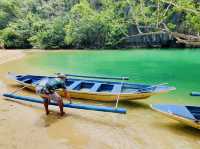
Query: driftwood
(188,40)
(186,37)
(189,43)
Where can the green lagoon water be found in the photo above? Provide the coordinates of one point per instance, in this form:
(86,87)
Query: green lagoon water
(179,68)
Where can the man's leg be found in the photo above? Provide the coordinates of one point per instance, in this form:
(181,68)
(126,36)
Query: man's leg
(59,101)
(66,94)
(45,98)
(60,104)
(46,105)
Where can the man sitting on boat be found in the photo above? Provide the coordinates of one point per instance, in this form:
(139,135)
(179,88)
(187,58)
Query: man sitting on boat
(47,90)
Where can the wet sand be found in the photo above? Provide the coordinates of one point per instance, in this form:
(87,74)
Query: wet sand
(24,125)
(21,127)
(9,55)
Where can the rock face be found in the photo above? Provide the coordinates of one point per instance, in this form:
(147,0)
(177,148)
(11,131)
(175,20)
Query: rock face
(156,39)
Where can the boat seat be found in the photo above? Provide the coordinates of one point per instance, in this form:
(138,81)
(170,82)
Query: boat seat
(28,80)
(117,89)
(36,82)
(95,87)
(74,85)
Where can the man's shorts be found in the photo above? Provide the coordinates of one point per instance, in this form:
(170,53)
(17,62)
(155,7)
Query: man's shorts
(53,96)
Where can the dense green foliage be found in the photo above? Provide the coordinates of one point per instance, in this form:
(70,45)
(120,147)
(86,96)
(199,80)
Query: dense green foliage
(91,23)
(96,28)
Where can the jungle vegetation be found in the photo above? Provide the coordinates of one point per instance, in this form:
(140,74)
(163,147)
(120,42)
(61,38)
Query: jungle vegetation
(52,24)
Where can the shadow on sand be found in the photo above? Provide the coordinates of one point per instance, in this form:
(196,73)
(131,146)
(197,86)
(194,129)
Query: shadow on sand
(179,128)
(135,105)
(52,118)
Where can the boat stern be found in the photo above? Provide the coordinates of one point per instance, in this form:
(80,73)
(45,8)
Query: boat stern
(180,113)
(163,89)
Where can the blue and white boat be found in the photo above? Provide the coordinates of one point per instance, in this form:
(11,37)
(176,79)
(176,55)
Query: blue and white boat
(189,115)
(97,89)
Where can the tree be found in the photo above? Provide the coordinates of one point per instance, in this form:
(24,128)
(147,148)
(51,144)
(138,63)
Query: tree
(92,23)
(9,11)
(51,37)
(88,27)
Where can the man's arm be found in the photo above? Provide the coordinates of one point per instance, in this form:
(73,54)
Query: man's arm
(66,95)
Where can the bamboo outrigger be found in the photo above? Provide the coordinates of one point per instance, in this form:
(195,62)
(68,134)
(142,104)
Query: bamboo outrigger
(72,105)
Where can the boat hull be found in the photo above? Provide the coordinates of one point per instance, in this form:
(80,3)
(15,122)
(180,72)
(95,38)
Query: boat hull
(171,114)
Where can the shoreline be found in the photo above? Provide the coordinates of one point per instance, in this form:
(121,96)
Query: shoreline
(102,49)
(10,55)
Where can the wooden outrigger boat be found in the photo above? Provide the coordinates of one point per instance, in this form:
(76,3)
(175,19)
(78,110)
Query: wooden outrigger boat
(100,90)
(189,115)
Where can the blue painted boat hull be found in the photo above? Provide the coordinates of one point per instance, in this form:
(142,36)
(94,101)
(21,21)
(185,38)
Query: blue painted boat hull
(189,115)
(76,106)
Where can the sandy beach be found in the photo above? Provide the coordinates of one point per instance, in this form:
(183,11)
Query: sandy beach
(25,126)
(19,130)
(9,55)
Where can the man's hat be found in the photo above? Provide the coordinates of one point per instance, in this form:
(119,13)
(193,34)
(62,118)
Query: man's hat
(61,75)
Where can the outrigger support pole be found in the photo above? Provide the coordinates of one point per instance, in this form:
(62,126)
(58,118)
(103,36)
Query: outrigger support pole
(98,77)
(72,105)
(118,95)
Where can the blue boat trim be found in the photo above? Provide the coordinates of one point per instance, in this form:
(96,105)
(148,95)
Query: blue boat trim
(74,85)
(188,112)
(117,89)
(76,106)
(195,111)
(95,87)
(195,94)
